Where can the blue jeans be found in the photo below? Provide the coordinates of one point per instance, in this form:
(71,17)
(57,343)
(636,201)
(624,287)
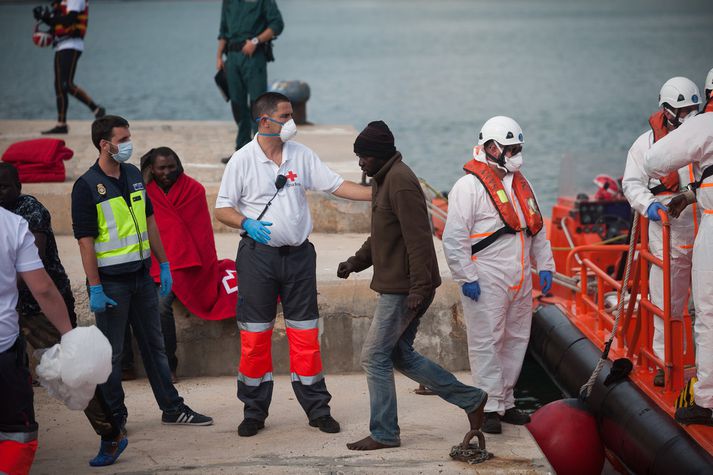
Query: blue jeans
(137,301)
(389,345)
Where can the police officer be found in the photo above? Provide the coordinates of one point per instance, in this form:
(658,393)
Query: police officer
(245,29)
(113,221)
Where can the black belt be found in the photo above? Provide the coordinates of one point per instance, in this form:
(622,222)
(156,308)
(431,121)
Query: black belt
(282,250)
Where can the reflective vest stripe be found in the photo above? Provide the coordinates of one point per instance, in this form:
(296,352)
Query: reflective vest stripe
(123,258)
(254,381)
(118,243)
(107,213)
(306,380)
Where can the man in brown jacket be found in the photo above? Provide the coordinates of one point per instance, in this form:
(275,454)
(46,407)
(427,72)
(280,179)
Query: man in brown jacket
(406,276)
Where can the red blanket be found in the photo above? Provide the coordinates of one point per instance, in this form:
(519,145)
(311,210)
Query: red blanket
(38,160)
(206,286)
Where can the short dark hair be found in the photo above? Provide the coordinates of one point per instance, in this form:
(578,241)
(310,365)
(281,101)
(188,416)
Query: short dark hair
(267,103)
(149,157)
(10,168)
(102,128)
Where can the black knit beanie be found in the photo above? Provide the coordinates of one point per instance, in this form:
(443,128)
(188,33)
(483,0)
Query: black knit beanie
(376,140)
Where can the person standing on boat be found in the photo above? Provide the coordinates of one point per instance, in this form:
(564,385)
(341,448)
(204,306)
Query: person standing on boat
(708,90)
(493,233)
(678,100)
(400,248)
(692,143)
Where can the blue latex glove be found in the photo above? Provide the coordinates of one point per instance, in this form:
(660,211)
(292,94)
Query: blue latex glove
(257,230)
(545,281)
(472,290)
(652,212)
(98,300)
(166,279)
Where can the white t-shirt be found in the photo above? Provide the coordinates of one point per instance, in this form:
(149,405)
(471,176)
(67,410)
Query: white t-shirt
(18,253)
(249,183)
(72,43)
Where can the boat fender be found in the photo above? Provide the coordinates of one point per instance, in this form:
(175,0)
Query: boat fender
(567,433)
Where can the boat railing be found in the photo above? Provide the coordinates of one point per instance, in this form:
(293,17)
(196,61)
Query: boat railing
(634,334)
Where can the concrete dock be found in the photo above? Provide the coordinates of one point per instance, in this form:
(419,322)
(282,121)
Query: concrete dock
(429,426)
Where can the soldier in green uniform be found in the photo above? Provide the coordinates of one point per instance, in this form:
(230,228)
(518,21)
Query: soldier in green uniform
(245,28)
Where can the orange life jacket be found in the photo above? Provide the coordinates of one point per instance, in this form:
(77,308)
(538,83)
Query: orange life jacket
(670,182)
(709,105)
(75,30)
(525,197)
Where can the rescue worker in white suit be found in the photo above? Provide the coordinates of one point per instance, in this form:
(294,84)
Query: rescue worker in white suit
(491,236)
(678,100)
(693,143)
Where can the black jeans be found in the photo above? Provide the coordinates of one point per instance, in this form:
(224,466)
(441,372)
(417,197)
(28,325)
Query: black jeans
(168,328)
(65,65)
(137,301)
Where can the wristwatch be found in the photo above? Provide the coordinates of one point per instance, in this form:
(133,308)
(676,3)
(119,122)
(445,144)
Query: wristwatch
(255,41)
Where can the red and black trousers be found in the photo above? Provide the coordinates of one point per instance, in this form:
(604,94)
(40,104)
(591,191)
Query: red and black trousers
(265,274)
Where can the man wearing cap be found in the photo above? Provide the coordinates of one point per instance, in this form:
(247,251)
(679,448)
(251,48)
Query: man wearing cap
(269,178)
(406,277)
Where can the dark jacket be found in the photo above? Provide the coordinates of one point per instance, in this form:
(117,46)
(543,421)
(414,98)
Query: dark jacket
(401,244)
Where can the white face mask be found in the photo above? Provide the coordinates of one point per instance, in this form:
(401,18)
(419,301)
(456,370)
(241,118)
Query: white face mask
(513,163)
(684,118)
(288,130)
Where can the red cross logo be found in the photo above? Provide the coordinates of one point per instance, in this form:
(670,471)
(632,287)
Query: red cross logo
(291,176)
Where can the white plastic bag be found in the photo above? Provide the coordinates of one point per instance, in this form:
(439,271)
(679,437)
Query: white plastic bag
(70,370)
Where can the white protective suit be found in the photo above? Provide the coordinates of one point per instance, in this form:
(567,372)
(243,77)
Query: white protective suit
(692,143)
(636,185)
(498,324)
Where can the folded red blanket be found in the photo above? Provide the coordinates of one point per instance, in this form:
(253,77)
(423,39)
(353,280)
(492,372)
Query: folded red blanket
(206,286)
(38,160)
(49,151)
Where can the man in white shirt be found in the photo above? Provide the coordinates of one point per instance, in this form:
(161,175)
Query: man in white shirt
(692,143)
(19,257)
(269,178)
(68,20)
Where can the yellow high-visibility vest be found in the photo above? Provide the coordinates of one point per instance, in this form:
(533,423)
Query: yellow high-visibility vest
(123,232)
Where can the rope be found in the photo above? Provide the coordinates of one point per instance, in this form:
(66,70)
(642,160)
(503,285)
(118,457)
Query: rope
(586,389)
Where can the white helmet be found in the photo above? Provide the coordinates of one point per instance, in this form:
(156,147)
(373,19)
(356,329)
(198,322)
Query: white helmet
(708,86)
(679,92)
(503,130)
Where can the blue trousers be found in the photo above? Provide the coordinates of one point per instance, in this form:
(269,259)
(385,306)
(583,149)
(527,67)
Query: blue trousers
(389,345)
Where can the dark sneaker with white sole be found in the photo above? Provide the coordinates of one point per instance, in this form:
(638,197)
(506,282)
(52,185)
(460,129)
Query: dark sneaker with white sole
(186,417)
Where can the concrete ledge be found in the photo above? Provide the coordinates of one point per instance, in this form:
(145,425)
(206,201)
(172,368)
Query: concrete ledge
(200,145)
(211,348)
